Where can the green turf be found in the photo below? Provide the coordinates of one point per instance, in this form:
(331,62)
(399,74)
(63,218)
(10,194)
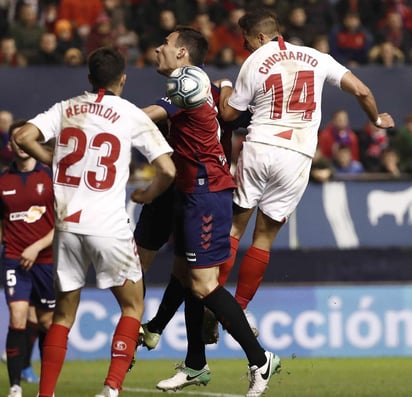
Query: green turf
(374,377)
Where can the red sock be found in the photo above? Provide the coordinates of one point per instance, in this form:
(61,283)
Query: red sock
(123,347)
(54,352)
(226,267)
(251,274)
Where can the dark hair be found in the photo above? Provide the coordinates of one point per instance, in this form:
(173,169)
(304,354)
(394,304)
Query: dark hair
(195,43)
(260,20)
(106,66)
(16,124)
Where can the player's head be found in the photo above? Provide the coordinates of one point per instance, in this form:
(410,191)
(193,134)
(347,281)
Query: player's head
(183,47)
(14,127)
(258,27)
(106,69)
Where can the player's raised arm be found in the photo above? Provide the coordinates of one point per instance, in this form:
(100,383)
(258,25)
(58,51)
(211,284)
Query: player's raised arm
(353,85)
(28,138)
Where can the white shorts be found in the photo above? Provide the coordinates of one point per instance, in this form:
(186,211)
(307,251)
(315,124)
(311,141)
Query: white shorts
(114,260)
(272,178)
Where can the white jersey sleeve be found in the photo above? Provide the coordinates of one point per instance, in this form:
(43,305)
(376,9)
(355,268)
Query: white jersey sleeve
(91,160)
(284,83)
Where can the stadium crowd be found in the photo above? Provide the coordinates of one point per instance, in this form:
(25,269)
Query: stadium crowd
(64,31)
(354,32)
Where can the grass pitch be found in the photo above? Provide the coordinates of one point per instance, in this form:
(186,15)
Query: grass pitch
(309,377)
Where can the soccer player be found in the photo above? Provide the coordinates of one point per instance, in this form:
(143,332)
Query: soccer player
(284,83)
(26,229)
(94,134)
(203,215)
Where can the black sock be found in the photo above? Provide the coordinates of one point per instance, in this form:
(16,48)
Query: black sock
(194,309)
(172,299)
(16,349)
(144,285)
(231,316)
(42,337)
(32,333)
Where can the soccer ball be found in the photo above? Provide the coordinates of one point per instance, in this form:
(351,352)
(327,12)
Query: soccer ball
(188,87)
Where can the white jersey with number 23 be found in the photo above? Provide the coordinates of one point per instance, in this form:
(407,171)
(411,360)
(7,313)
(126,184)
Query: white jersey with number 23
(94,135)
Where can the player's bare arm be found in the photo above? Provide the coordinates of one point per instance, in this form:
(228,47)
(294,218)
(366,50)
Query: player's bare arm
(227,112)
(351,84)
(28,138)
(156,113)
(165,174)
(30,253)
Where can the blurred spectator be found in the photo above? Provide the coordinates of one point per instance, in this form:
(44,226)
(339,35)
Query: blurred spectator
(389,163)
(370,11)
(47,53)
(372,143)
(321,43)
(350,42)
(157,33)
(203,24)
(321,170)
(343,162)
(81,13)
(386,54)
(145,14)
(186,11)
(401,7)
(9,56)
(73,57)
(27,30)
(226,57)
(228,34)
(147,55)
(394,31)
(66,36)
(296,28)
(403,145)
(124,37)
(49,14)
(6,155)
(101,34)
(337,133)
(320,15)
(279,7)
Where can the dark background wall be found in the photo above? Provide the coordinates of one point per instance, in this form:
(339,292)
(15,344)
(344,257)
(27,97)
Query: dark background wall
(29,91)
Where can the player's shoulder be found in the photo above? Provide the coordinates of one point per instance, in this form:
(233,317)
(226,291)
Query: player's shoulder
(45,169)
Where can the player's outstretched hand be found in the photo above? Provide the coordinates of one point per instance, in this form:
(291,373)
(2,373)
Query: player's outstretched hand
(386,120)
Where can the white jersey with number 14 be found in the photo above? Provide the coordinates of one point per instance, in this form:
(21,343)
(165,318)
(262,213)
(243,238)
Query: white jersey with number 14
(284,83)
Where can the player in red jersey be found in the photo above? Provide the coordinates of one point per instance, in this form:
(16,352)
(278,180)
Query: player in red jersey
(94,134)
(203,209)
(26,230)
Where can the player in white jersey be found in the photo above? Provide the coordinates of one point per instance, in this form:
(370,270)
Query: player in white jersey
(94,134)
(283,84)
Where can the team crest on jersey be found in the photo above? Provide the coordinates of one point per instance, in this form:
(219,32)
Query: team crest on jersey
(40,188)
